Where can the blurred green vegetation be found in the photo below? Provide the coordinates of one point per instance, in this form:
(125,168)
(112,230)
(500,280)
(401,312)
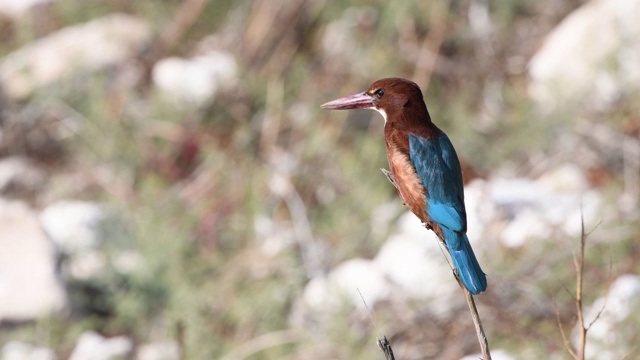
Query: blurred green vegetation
(206,279)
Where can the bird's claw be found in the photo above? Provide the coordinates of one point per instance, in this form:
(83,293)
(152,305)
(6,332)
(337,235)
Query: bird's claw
(390,177)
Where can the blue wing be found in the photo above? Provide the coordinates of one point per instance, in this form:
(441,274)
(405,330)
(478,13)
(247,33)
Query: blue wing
(437,165)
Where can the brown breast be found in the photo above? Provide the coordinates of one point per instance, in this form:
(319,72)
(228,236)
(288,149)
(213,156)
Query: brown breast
(408,182)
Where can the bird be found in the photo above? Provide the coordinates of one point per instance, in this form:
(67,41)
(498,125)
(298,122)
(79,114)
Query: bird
(424,167)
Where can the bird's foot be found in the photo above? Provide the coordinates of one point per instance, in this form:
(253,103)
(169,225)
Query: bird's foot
(390,177)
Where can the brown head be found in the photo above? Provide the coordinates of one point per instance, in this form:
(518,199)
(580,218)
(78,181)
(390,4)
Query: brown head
(398,100)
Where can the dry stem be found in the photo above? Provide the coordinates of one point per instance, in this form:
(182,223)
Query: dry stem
(385,346)
(579,265)
(578,262)
(482,338)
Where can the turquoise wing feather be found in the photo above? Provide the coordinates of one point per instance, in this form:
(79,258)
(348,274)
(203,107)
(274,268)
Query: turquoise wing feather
(437,165)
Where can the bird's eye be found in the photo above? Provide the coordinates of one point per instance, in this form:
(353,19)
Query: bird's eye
(379,93)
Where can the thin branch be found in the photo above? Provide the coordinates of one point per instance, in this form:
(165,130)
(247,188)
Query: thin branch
(383,343)
(567,343)
(373,321)
(606,298)
(385,346)
(579,263)
(482,338)
(598,315)
(475,317)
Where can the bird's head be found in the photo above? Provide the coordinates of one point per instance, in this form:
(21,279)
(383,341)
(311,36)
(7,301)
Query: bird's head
(395,98)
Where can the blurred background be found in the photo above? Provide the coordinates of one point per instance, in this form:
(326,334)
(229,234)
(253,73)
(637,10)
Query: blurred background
(170,189)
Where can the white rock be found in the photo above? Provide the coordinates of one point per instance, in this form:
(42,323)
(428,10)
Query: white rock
(93,346)
(73,225)
(17,8)
(623,299)
(158,351)
(29,285)
(194,81)
(481,211)
(513,193)
(566,198)
(605,341)
(75,49)
(565,178)
(415,262)
(410,265)
(534,208)
(76,229)
(19,174)
(327,293)
(16,350)
(527,225)
(586,207)
(360,276)
(316,295)
(592,56)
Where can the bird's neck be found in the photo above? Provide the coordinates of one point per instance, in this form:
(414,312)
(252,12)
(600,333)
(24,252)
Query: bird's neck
(408,122)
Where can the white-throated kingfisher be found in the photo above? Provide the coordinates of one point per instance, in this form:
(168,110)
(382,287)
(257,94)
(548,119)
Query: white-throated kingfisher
(424,168)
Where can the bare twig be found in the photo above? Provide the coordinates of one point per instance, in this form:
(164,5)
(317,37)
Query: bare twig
(579,265)
(368,310)
(383,343)
(578,262)
(475,316)
(565,339)
(482,338)
(606,298)
(604,306)
(385,346)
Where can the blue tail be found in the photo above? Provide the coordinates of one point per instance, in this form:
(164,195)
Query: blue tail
(465,261)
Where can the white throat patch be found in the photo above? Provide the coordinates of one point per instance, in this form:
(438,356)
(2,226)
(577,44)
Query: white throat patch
(383,113)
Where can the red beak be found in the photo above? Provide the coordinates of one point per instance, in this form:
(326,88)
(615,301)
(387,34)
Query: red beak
(355,101)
